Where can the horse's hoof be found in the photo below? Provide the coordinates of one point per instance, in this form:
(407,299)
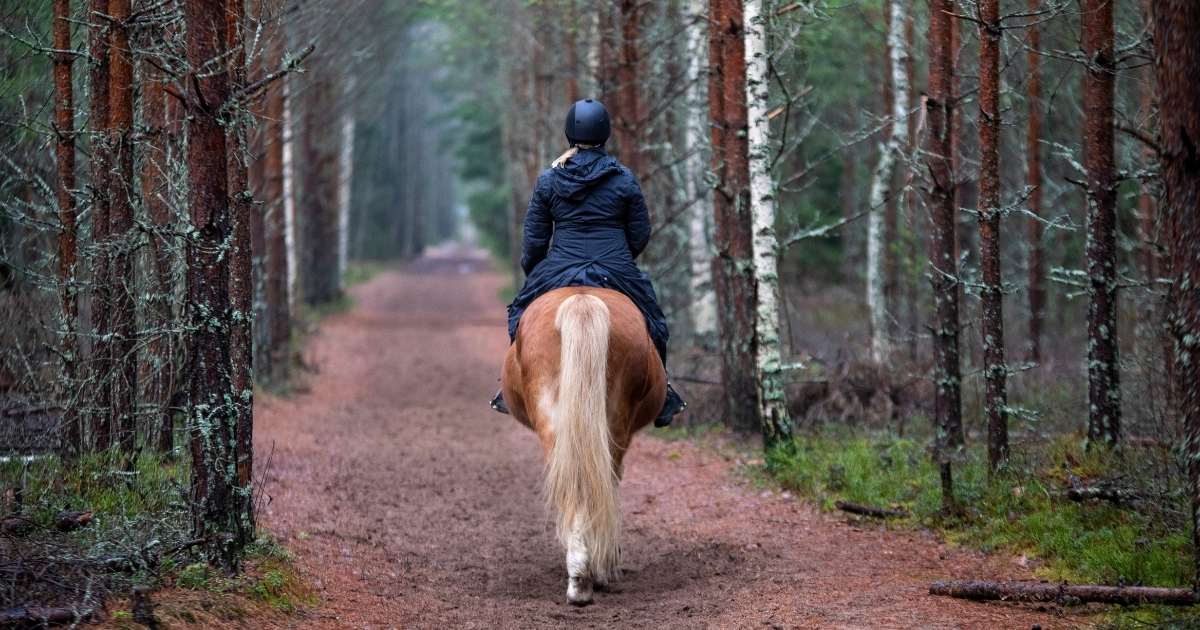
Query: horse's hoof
(579,591)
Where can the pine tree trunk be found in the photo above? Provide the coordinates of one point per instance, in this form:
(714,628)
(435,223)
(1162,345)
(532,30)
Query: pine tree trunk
(162,312)
(64,127)
(1177,47)
(733,271)
(1104,385)
(120,186)
(101,372)
(913,244)
(1033,166)
(890,152)
(992,292)
(212,420)
(320,168)
(627,118)
(241,278)
(943,262)
(276,196)
(775,422)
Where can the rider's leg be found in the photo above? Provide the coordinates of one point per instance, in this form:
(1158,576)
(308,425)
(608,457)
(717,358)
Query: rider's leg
(673,403)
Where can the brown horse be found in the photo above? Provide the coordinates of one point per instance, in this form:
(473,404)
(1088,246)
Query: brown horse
(584,375)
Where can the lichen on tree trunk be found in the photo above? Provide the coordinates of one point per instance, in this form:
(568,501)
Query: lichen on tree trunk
(1103,367)
(775,422)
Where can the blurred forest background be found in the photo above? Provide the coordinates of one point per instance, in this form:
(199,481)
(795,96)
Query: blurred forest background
(927,253)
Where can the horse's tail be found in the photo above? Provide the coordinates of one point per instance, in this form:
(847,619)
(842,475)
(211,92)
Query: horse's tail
(581,483)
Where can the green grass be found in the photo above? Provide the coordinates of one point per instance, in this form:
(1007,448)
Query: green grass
(1021,511)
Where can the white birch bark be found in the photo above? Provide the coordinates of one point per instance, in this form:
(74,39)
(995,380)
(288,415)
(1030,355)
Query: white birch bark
(890,151)
(768,358)
(704,300)
(345,174)
(289,194)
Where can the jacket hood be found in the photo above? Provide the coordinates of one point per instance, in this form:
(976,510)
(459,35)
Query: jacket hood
(582,172)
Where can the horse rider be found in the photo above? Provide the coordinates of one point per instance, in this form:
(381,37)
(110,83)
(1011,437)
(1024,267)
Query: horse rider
(586,225)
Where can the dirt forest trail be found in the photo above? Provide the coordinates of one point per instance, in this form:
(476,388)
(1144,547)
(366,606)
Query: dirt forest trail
(410,504)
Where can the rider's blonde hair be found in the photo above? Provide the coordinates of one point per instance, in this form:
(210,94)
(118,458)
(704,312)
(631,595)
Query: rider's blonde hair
(570,153)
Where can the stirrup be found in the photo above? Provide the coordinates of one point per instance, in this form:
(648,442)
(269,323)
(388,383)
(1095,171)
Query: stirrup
(498,403)
(671,406)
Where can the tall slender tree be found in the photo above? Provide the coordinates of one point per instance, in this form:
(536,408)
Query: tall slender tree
(943,260)
(1104,383)
(276,289)
(212,423)
(992,292)
(161,311)
(1033,174)
(733,271)
(881,201)
(1177,52)
(241,281)
(775,422)
(64,133)
(120,184)
(98,121)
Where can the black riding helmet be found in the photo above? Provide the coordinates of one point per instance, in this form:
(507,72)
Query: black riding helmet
(587,123)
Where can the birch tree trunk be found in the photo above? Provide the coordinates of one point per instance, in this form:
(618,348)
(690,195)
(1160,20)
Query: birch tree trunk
(345,174)
(733,271)
(768,359)
(1177,48)
(1104,384)
(704,307)
(890,152)
(212,421)
(287,138)
(64,127)
(992,293)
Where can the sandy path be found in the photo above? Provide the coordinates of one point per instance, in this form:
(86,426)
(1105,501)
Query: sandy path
(411,504)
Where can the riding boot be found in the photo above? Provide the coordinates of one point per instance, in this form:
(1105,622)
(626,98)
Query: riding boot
(498,403)
(673,403)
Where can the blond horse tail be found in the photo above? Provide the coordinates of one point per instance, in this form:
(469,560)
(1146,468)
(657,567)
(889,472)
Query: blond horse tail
(581,483)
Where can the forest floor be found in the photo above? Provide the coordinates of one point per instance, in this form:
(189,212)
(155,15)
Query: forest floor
(409,503)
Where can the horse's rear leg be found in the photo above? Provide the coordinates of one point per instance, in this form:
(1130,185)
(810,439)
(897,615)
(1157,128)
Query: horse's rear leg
(579,573)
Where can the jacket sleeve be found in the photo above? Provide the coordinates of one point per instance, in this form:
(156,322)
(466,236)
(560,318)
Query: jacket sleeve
(637,219)
(539,227)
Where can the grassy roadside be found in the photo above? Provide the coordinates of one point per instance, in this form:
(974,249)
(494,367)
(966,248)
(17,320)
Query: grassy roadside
(1023,511)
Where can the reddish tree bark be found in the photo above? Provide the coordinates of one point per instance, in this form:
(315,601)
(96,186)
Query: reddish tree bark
(1104,385)
(572,46)
(733,279)
(275,286)
(213,421)
(991,294)
(1177,48)
(943,260)
(64,128)
(154,183)
(1033,166)
(628,115)
(120,186)
(101,373)
(241,281)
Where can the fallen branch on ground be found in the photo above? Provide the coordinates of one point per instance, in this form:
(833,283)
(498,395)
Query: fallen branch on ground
(867,510)
(1088,493)
(37,617)
(982,590)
